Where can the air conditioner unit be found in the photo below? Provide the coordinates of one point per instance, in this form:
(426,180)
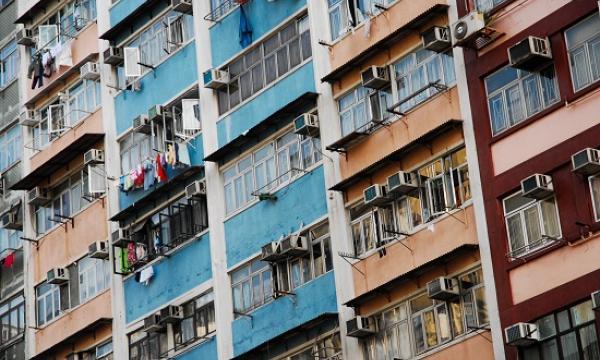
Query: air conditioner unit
(57,276)
(171,314)
(436,38)
(28,118)
(196,188)
(293,245)
(375,195)
(271,251)
(307,124)
(375,77)
(113,55)
(530,54)
(537,186)
(468,28)
(402,182)
(120,238)
(182,6)
(596,300)
(141,124)
(98,250)
(152,323)
(156,113)
(586,162)
(215,79)
(25,37)
(38,196)
(93,156)
(443,288)
(361,327)
(89,71)
(11,221)
(521,334)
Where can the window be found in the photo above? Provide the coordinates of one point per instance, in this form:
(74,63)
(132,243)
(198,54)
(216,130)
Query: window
(345,14)
(530,224)
(135,148)
(252,286)
(50,300)
(393,339)
(265,63)
(567,334)
(198,321)
(9,63)
(64,25)
(10,239)
(220,8)
(12,319)
(83,99)
(371,227)
(147,346)
(595,190)
(104,351)
(515,95)
(11,148)
(583,46)
(14,352)
(326,348)
(94,277)
(487,5)
(354,112)
(273,164)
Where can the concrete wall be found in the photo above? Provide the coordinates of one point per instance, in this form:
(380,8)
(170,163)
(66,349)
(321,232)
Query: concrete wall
(206,350)
(122,9)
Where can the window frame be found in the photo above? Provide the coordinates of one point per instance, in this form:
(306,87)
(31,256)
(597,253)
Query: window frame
(206,311)
(13,310)
(586,45)
(88,275)
(594,181)
(9,57)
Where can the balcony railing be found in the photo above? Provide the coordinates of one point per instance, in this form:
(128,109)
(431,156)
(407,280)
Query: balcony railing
(223,9)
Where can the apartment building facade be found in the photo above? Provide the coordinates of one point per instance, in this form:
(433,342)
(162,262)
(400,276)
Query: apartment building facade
(533,97)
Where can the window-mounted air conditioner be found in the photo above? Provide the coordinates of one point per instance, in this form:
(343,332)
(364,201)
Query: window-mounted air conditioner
(521,334)
(98,250)
(156,113)
(28,118)
(360,327)
(402,182)
(586,162)
(375,195)
(113,55)
(530,54)
(93,156)
(293,245)
(57,276)
(141,124)
(152,323)
(215,79)
(120,238)
(182,6)
(443,288)
(89,71)
(436,38)
(271,251)
(25,37)
(537,186)
(171,314)
(307,124)
(11,221)
(196,188)
(375,77)
(38,196)
(596,300)
(468,28)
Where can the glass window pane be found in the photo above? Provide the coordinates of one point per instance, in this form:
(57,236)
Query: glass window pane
(532,96)
(550,350)
(569,346)
(582,313)
(515,233)
(589,342)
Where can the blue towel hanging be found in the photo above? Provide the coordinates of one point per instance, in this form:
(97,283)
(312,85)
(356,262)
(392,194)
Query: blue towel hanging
(245,29)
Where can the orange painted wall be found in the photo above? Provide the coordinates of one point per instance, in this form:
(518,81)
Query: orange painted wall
(473,348)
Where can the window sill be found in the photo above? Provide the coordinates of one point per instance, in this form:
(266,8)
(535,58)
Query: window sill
(193,344)
(40,237)
(534,254)
(583,92)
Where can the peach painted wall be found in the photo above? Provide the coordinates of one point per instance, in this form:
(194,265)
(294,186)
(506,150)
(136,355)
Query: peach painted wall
(73,321)
(554,269)
(557,127)
(65,244)
(473,348)
(90,125)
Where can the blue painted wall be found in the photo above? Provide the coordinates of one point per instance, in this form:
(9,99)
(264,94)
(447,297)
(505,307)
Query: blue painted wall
(182,271)
(204,351)
(169,79)
(274,98)
(312,299)
(303,201)
(123,8)
(225,33)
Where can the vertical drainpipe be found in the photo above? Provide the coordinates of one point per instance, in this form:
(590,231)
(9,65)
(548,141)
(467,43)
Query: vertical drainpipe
(330,132)
(477,194)
(215,192)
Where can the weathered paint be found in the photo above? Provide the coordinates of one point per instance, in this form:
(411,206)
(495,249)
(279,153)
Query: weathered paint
(266,103)
(173,276)
(297,205)
(312,299)
(225,33)
(206,350)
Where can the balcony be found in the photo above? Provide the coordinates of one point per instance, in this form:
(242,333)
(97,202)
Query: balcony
(311,301)
(175,275)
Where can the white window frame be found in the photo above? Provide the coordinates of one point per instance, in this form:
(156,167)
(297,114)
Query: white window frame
(88,276)
(9,63)
(585,47)
(265,274)
(127,144)
(53,295)
(594,182)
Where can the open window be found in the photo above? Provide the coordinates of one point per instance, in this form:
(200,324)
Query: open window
(132,59)
(47,36)
(93,178)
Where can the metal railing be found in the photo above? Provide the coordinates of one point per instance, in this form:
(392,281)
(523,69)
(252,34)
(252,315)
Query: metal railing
(223,9)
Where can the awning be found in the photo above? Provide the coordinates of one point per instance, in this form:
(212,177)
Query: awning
(385,43)
(62,158)
(397,154)
(29,14)
(300,330)
(389,286)
(158,193)
(129,20)
(260,131)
